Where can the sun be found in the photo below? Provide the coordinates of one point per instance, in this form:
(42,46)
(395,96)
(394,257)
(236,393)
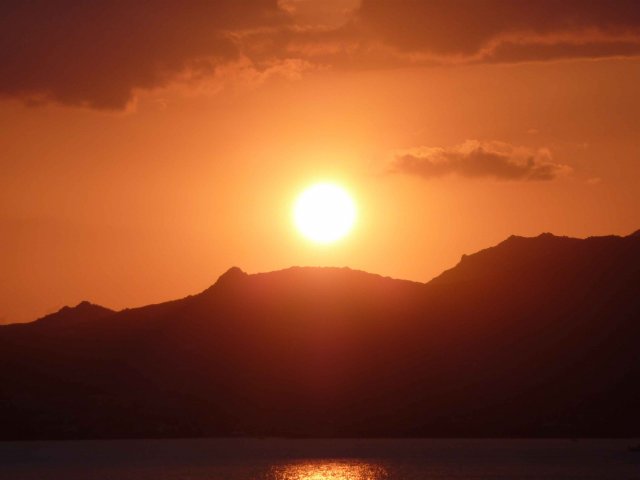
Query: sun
(324,213)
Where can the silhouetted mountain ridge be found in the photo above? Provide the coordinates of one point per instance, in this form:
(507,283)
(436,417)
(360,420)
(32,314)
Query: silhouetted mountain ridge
(69,316)
(534,336)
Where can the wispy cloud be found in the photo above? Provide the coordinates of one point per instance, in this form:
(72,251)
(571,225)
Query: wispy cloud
(475,159)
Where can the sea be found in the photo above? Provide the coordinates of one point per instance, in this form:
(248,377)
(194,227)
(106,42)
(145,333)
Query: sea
(320,459)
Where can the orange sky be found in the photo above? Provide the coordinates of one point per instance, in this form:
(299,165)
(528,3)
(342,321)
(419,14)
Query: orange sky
(137,164)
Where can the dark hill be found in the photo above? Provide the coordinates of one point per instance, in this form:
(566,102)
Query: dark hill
(68,317)
(532,337)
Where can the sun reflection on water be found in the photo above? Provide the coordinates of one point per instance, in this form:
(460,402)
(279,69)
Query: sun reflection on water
(334,470)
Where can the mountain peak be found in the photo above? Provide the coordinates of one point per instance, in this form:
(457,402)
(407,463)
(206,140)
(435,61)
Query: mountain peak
(83,311)
(86,304)
(635,234)
(83,305)
(232,275)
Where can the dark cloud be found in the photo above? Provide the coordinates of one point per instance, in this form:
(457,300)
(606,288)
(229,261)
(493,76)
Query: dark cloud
(398,33)
(97,53)
(389,33)
(468,28)
(513,52)
(319,13)
(474,159)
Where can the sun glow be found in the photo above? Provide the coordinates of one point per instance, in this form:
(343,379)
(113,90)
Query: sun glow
(324,213)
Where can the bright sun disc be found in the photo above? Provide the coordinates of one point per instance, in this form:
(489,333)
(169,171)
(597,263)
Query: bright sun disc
(324,213)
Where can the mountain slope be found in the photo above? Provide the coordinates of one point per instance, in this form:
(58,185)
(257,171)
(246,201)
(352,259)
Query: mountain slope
(535,336)
(68,317)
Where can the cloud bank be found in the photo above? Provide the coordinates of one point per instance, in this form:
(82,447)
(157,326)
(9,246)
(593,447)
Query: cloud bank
(474,159)
(494,30)
(98,54)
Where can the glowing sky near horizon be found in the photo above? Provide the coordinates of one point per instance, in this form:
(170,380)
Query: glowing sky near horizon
(139,160)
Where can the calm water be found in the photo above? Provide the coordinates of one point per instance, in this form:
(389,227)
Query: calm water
(274,459)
